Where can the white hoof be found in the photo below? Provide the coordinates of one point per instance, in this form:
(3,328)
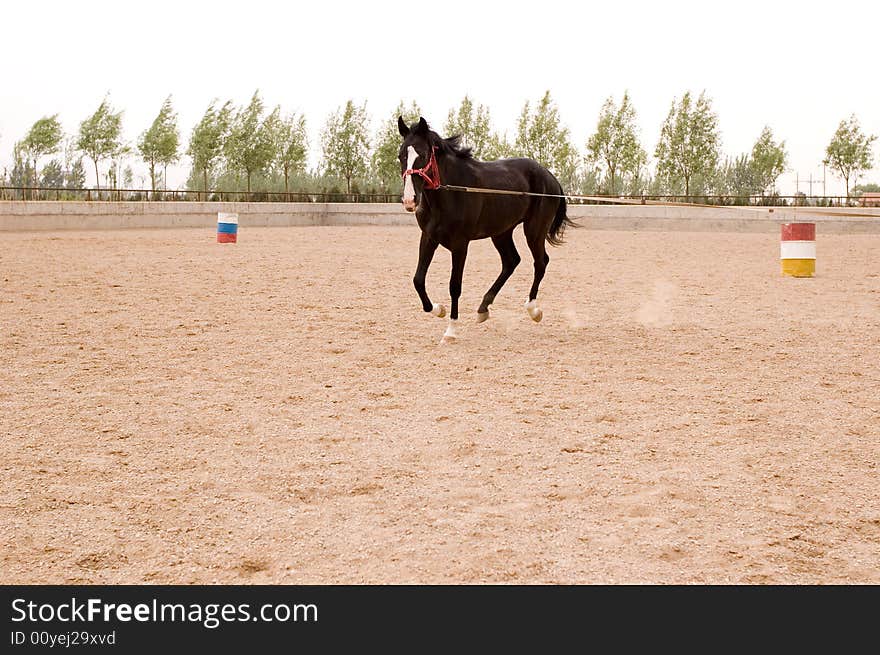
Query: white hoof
(438,310)
(482,316)
(445,341)
(451,333)
(535,312)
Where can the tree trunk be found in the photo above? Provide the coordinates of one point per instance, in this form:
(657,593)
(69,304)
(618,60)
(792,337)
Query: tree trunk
(97,178)
(249,185)
(286,186)
(153,177)
(348,183)
(205,171)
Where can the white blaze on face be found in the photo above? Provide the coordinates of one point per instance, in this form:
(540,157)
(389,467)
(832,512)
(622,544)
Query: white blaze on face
(409,193)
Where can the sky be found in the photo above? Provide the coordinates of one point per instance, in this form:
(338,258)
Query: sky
(799,67)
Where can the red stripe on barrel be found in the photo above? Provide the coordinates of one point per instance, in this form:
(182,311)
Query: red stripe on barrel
(224,237)
(798,231)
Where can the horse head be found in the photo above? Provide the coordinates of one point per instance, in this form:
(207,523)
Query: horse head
(418,163)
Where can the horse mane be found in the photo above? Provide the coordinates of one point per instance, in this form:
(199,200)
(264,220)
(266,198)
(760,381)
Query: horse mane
(452,146)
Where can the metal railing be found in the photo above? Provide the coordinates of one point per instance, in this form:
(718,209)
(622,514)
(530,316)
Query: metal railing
(738,201)
(170,195)
(148,195)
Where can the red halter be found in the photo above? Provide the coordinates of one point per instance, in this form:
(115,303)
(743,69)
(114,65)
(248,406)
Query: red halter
(430,173)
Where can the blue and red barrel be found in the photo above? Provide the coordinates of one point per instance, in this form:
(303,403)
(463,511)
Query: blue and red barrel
(227,227)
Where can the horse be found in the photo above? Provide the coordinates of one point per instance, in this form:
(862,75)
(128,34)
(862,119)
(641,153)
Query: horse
(453,217)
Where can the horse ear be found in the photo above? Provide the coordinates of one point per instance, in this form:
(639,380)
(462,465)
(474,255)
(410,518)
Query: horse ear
(402,126)
(422,127)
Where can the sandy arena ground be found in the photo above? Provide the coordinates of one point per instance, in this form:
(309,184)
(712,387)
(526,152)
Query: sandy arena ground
(280,411)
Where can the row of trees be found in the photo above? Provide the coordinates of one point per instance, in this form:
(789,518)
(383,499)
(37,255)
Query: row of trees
(233,147)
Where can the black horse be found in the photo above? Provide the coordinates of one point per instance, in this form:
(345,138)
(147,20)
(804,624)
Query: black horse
(453,218)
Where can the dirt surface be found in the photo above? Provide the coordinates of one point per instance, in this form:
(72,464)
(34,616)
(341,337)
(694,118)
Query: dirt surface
(280,411)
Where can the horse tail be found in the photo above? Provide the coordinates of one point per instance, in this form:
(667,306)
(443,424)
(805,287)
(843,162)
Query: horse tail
(560,222)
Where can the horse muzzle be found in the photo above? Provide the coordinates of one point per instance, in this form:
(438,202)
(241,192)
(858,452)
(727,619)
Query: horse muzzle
(409,205)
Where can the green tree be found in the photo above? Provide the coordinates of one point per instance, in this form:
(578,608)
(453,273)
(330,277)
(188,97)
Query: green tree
(44,138)
(849,152)
(21,174)
(498,147)
(291,143)
(208,138)
(170,146)
(346,143)
(541,137)
(76,175)
(614,147)
(160,144)
(472,125)
(588,183)
(871,187)
(52,176)
(249,147)
(272,127)
(638,183)
(74,172)
(689,144)
(100,135)
(386,166)
(767,161)
(736,177)
(127,178)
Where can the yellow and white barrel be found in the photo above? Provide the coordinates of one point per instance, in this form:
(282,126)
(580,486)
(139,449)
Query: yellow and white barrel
(797,249)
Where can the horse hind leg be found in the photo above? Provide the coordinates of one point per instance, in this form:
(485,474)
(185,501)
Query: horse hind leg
(509,261)
(539,252)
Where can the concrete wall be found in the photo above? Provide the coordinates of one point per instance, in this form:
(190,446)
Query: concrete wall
(38,215)
(688,218)
(32,215)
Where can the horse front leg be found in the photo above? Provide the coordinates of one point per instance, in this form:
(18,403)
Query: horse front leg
(427,248)
(458,258)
